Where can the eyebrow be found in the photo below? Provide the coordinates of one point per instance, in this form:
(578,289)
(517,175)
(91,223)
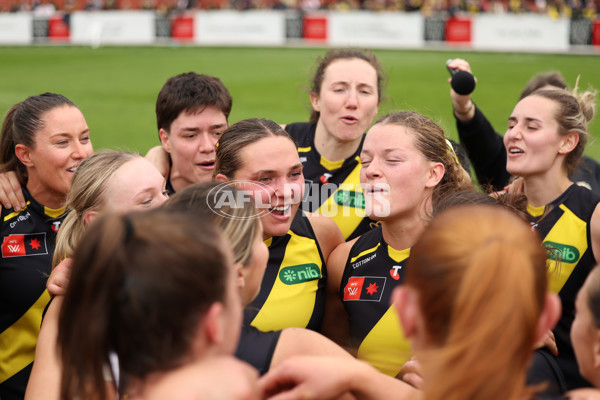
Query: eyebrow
(528,119)
(272,171)
(83,132)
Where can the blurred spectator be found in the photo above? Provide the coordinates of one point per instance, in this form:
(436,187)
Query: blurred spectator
(44,9)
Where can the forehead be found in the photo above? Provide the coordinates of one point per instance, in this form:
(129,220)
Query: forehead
(389,136)
(65,115)
(269,153)
(536,107)
(209,114)
(351,69)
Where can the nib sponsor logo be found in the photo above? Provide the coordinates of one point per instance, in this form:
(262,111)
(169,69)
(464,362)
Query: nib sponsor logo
(364,288)
(562,252)
(296,274)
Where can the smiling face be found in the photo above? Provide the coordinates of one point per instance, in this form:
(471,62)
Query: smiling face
(191,143)
(136,185)
(532,141)
(395,176)
(61,144)
(273,163)
(348,99)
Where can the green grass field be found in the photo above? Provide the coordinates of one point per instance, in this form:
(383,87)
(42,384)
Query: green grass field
(116,87)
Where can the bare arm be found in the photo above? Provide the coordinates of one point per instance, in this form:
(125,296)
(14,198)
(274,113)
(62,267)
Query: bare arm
(309,377)
(44,382)
(327,232)
(336,325)
(160,158)
(595,232)
(299,341)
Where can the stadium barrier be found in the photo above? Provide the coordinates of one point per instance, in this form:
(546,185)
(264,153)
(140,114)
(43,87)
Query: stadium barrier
(497,32)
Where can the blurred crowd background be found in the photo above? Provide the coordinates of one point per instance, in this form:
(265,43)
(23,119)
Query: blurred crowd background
(554,8)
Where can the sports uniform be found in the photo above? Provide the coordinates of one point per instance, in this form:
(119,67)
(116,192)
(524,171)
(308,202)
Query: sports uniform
(28,239)
(257,347)
(371,273)
(292,293)
(566,231)
(333,188)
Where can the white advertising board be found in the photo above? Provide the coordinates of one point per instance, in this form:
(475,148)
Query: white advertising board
(526,32)
(377,29)
(252,27)
(113,27)
(16,28)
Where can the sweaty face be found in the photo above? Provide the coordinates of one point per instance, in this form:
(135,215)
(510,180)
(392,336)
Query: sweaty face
(395,176)
(191,145)
(136,185)
(272,172)
(60,146)
(532,141)
(348,100)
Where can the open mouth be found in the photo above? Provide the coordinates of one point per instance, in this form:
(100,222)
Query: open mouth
(349,119)
(72,169)
(515,150)
(280,210)
(207,164)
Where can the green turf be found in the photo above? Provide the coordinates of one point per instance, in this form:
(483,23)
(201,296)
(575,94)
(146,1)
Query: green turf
(116,87)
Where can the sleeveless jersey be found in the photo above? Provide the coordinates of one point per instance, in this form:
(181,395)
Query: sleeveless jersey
(372,272)
(332,188)
(292,293)
(28,239)
(257,347)
(565,230)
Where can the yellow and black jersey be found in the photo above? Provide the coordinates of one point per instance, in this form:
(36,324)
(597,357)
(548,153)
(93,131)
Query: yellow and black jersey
(332,188)
(28,239)
(564,228)
(371,273)
(292,293)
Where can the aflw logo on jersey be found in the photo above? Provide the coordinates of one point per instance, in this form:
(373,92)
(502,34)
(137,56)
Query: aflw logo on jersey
(364,288)
(33,244)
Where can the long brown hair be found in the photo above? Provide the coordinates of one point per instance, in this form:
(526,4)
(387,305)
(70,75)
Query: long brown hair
(480,277)
(140,285)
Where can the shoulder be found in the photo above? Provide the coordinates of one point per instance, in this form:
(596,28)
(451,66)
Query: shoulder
(327,233)
(302,132)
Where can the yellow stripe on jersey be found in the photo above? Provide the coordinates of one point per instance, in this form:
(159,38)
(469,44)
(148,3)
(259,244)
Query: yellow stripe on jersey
(535,211)
(268,241)
(14,214)
(385,347)
(17,343)
(54,212)
(364,253)
(304,149)
(331,165)
(291,305)
(346,218)
(568,236)
(398,255)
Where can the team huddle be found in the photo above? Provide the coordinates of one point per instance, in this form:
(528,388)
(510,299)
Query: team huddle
(350,256)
